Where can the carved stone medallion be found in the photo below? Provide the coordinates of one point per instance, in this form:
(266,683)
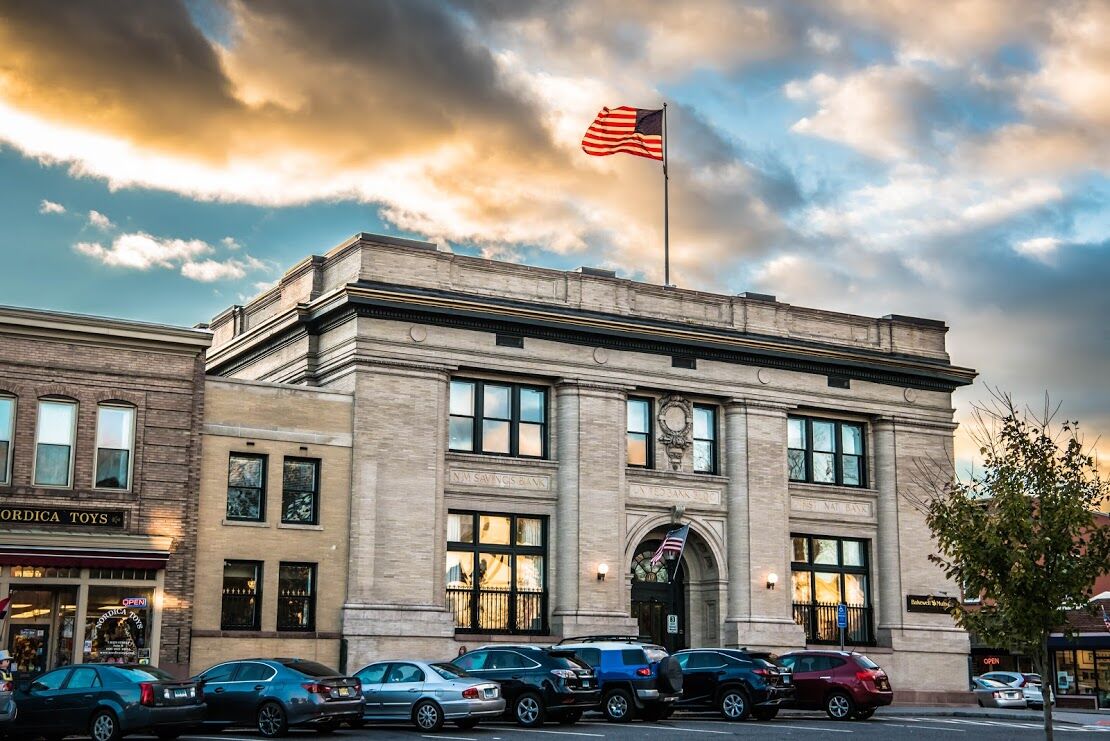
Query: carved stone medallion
(676,419)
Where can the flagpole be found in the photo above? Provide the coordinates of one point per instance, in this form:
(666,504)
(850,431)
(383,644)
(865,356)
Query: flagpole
(666,208)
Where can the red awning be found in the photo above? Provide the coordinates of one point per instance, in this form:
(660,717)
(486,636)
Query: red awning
(16,555)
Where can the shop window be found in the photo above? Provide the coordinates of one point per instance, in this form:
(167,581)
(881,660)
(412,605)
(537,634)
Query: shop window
(115,441)
(705,439)
(118,625)
(822,451)
(246,487)
(826,572)
(496,578)
(498,418)
(639,433)
(54,434)
(46,572)
(124,574)
(242,595)
(300,491)
(296,596)
(7,433)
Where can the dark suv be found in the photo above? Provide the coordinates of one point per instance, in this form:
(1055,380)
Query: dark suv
(736,683)
(844,684)
(636,678)
(537,682)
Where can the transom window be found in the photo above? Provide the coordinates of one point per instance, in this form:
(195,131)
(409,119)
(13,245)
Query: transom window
(115,441)
(824,451)
(705,439)
(826,572)
(246,487)
(55,430)
(7,432)
(498,418)
(639,433)
(496,576)
(300,482)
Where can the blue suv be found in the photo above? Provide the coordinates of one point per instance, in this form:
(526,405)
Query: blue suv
(636,678)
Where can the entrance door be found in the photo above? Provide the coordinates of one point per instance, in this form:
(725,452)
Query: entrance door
(658,601)
(40,635)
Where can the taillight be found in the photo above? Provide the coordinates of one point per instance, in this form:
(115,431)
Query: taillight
(316,688)
(996,695)
(762,672)
(5,686)
(358,686)
(563,673)
(470,693)
(146,693)
(643,671)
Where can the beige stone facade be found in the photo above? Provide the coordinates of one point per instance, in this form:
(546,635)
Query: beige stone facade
(276,423)
(392,323)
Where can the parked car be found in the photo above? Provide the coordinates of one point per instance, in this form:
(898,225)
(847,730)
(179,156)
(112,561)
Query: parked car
(990,693)
(106,701)
(274,695)
(539,683)
(427,694)
(845,684)
(636,678)
(1030,685)
(734,682)
(8,708)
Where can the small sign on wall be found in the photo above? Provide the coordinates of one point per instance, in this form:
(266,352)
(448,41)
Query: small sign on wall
(672,624)
(930,603)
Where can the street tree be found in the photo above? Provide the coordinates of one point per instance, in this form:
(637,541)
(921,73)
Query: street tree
(1019,530)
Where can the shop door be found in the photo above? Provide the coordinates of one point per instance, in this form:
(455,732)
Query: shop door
(40,636)
(29,644)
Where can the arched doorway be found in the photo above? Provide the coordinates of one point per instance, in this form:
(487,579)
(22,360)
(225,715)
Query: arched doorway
(658,593)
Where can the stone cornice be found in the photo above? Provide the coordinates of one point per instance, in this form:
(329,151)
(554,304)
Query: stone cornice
(102,330)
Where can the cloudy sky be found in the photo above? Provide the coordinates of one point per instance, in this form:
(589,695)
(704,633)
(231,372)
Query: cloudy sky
(162,160)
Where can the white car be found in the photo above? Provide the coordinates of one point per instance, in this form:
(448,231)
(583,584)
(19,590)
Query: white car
(1029,684)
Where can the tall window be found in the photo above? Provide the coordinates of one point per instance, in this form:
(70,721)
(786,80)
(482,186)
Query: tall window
(296,596)
(56,428)
(115,439)
(242,595)
(7,433)
(300,482)
(498,418)
(826,572)
(823,451)
(705,439)
(639,432)
(496,580)
(246,487)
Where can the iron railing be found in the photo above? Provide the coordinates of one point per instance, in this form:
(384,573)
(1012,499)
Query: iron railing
(498,611)
(819,622)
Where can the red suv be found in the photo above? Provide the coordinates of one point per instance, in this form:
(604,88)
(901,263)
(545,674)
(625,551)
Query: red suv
(846,685)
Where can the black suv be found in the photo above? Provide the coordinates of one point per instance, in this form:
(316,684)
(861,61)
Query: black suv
(637,677)
(538,682)
(733,681)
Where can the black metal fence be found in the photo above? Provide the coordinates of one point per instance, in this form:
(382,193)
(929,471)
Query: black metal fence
(819,622)
(498,611)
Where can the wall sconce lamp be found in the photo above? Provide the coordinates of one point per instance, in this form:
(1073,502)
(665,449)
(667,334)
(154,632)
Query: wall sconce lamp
(602,570)
(772,580)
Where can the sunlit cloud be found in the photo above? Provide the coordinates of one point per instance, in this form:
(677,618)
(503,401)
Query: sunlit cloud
(100,221)
(50,207)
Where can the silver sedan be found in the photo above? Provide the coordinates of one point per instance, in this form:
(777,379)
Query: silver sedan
(992,694)
(427,694)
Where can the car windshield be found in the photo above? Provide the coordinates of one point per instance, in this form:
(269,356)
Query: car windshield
(144,674)
(448,671)
(311,668)
(990,683)
(866,663)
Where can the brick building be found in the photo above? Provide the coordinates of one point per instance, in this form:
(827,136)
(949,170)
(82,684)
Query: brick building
(99,461)
(522,438)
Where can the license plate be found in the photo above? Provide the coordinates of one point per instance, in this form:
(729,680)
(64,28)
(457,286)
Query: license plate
(585,683)
(786,680)
(489,693)
(344,692)
(180,693)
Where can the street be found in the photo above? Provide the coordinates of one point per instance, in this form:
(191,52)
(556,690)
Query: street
(688,726)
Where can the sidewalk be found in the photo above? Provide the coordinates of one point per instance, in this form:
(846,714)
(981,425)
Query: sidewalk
(1076,717)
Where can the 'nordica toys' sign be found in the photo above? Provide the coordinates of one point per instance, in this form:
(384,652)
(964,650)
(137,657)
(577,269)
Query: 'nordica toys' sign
(71,517)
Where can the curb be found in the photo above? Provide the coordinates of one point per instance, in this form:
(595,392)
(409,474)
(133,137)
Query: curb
(987,714)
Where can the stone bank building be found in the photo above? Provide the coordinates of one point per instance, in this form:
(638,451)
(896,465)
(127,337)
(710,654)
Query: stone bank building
(520,439)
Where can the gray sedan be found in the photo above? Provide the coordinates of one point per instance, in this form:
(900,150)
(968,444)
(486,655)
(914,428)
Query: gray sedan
(427,694)
(993,694)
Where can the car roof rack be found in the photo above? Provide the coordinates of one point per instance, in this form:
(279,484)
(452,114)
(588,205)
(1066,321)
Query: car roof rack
(605,638)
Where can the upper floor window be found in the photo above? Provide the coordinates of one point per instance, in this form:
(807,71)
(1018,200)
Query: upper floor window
(824,451)
(705,439)
(300,490)
(246,487)
(54,434)
(115,434)
(7,433)
(639,432)
(498,418)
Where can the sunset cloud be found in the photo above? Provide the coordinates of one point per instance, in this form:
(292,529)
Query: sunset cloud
(49,207)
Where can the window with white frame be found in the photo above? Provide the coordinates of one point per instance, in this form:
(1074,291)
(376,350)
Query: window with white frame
(54,434)
(115,442)
(7,433)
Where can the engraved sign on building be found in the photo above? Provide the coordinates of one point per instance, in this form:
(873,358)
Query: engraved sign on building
(681,494)
(843,507)
(499,480)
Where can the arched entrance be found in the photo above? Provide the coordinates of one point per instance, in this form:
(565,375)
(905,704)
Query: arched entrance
(658,592)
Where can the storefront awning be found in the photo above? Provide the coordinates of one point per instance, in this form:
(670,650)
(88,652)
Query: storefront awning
(116,552)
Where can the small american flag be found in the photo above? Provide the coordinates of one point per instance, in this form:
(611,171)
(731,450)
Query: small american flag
(673,543)
(624,129)
(1105,618)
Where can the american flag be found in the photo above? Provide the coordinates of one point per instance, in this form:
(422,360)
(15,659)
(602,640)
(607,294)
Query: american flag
(674,542)
(1105,618)
(624,129)
(4,605)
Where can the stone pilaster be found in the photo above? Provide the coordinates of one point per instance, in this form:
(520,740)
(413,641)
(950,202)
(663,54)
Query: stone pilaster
(887,549)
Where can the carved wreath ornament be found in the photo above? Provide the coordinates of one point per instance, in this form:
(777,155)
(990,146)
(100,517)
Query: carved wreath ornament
(676,419)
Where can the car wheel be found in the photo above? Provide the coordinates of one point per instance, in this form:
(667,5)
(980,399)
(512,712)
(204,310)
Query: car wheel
(271,720)
(570,717)
(864,714)
(528,710)
(839,706)
(734,704)
(765,713)
(617,706)
(105,727)
(427,716)
(467,723)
